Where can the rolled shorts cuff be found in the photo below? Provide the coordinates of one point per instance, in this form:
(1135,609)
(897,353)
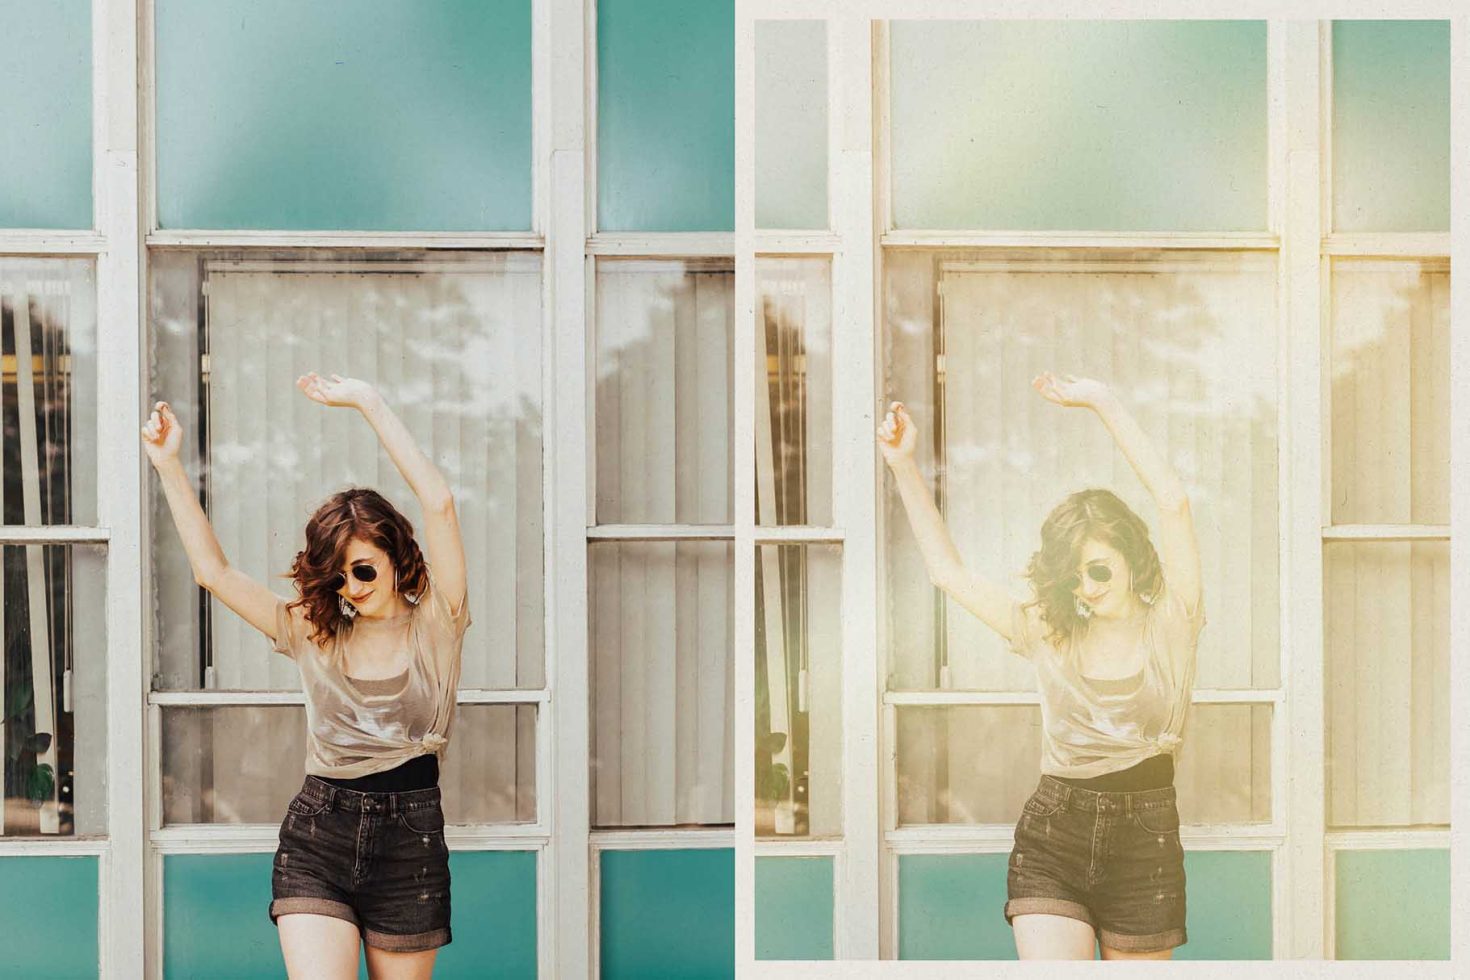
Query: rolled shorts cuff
(416,943)
(1042,905)
(313,906)
(1157,942)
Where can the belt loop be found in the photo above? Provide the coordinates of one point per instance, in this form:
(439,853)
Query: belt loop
(331,797)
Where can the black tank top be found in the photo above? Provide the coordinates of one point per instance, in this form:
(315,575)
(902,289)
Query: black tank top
(1155,772)
(420,772)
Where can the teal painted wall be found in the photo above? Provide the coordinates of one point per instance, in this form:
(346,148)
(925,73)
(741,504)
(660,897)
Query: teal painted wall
(1391,125)
(46,114)
(665,115)
(667,914)
(216,921)
(48,916)
(344,114)
(1084,125)
(951,906)
(791,124)
(793,908)
(1393,905)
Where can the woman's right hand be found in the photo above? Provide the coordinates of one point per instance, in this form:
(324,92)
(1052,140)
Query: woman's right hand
(163,435)
(897,436)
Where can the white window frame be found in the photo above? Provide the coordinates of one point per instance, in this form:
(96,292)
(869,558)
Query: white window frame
(1298,231)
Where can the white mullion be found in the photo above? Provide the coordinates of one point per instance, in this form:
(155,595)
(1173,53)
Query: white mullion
(856,890)
(776,244)
(704,838)
(38,241)
(663,244)
(792,534)
(194,239)
(54,534)
(808,847)
(98,847)
(661,532)
(563,800)
(1394,244)
(1131,240)
(1386,532)
(122,888)
(1299,919)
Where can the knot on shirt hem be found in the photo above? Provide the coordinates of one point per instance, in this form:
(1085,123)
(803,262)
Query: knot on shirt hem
(433,742)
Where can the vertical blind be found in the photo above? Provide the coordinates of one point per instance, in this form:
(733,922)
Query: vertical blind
(660,617)
(1387,602)
(1187,341)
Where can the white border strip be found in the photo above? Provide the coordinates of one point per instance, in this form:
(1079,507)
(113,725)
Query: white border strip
(1389,840)
(770,243)
(1395,244)
(805,535)
(55,847)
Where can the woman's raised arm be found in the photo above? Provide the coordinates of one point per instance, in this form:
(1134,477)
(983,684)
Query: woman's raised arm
(252,601)
(442,539)
(988,601)
(1179,550)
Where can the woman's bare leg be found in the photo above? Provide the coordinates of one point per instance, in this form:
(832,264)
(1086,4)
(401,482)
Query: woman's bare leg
(1053,937)
(1109,953)
(384,964)
(318,946)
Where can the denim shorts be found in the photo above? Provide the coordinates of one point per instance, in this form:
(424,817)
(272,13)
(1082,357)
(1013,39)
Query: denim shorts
(377,860)
(1112,860)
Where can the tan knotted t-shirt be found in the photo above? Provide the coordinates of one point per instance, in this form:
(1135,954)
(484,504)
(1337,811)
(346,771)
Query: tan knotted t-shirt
(354,731)
(1092,727)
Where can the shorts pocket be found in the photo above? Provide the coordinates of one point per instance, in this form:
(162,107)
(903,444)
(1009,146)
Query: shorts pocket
(429,820)
(1039,806)
(1158,820)
(306,806)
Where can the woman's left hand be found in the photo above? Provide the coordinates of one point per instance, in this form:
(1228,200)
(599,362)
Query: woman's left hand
(1070,391)
(337,391)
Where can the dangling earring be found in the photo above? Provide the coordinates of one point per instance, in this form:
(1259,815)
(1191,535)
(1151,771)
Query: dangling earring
(348,609)
(1083,609)
(412,598)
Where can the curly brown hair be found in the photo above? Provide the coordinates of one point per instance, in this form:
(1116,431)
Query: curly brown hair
(1099,515)
(353,513)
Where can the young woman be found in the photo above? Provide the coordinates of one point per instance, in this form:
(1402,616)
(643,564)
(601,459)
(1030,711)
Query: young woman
(1112,632)
(377,638)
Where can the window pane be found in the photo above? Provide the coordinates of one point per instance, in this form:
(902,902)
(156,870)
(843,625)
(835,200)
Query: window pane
(46,115)
(977,765)
(665,115)
(662,684)
(1187,340)
(48,448)
(1081,125)
(1390,391)
(1391,125)
(1388,683)
(790,124)
(793,431)
(798,690)
(53,690)
(344,114)
(454,344)
(664,346)
(243,764)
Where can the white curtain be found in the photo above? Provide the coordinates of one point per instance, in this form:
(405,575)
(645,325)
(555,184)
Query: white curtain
(1387,603)
(661,628)
(1189,342)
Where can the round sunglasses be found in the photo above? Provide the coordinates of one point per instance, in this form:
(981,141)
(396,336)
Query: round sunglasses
(363,573)
(1098,573)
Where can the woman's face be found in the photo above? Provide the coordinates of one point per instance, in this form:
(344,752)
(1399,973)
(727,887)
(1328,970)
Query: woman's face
(376,597)
(1104,581)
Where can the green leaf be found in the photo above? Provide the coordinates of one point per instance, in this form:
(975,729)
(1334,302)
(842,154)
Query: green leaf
(39,742)
(42,782)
